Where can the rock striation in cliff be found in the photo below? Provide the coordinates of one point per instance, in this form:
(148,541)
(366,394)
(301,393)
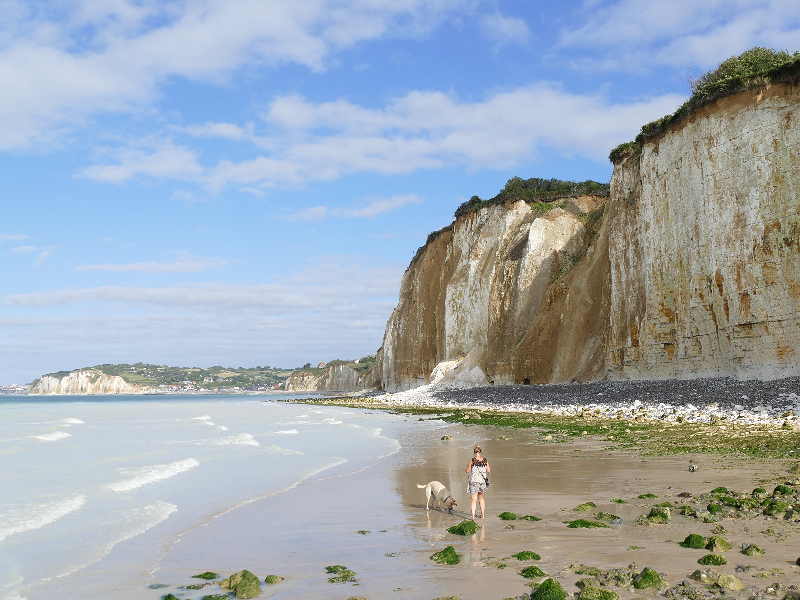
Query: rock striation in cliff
(689,268)
(335,378)
(86,381)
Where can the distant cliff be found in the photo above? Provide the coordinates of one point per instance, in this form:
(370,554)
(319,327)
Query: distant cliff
(690,267)
(86,381)
(335,378)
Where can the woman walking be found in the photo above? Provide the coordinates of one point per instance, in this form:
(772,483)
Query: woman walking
(478,470)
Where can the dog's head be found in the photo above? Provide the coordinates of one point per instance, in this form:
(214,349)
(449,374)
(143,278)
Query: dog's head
(450,503)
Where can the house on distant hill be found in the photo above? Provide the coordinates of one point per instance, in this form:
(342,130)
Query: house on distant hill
(321,364)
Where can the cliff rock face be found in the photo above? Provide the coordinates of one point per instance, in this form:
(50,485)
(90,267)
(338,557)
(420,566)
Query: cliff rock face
(691,267)
(704,249)
(89,381)
(336,378)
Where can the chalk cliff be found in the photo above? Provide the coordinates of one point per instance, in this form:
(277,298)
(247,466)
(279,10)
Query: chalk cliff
(690,268)
(335,378)
(86,381)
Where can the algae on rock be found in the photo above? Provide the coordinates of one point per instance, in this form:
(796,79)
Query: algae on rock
(597,593)
(244,584)
(583,523)
(693,540)
(272,579)
(648,578)
(464,528)
(586,506)
(447,556)
(526,555)
(507,516)
(752,550)
(532,572)
(549,589)
(718,544)
(712,559)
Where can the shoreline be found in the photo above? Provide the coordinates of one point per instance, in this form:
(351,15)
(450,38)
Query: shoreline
(374,522)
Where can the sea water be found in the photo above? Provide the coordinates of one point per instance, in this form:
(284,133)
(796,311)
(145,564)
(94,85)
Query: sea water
(82,477)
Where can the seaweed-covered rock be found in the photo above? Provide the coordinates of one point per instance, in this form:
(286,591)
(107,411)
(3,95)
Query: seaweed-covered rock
(583,523)
(587,582)
(169,597)
(272,579)
(714,508)
(659,514)
(529,518)
(526,555)
(464,528)
(708,576)
(244,584)
(335,568)
(718,544)
(606,516)
(216,597)
(695,541)
(648,578)
(597,593)
(712,560)
(206,575)
(507,516)
(647,496)
(586,506)
(687,511)
(782,490)
(343,576)
(532,572)
(752,550)
(720,491)
(447,438)
(775,508)
(447,556)
(729,582)
(586,570)
(357,598)
(549,589)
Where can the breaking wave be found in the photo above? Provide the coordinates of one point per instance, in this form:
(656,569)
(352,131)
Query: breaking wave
(151,474)
(36,516)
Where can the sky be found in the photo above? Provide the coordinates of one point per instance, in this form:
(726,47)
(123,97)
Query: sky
(244,182)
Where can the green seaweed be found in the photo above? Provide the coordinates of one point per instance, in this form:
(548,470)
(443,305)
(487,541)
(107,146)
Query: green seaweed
(586,506)
(694,541)
(714,508)
(713,560)
(532,572)
(526,555)
(549,589)
(335,568)
(583,523)
(619,501)
(597,593)
(588,570)
(648,578)
(718,544)
(776,506)
(447,556)
(169,597)
(216,597)
(464,528)
(342,576)
(687,510)
(782,490)
(720,491)
(647,496)
(206,575)
(530,518)
(507,516)
(605,516)
(753,550)
(273,579)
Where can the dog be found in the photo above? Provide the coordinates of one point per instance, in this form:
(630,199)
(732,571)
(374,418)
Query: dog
(436,491)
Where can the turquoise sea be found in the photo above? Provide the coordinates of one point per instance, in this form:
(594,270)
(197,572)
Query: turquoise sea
(82,476)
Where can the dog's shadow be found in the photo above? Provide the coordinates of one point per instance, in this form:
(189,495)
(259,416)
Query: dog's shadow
(436,510)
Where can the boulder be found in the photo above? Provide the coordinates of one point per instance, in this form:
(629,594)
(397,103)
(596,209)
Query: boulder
(718,544)
(597,593)
(273,579)
(549,589)
(244,584)
(708,576)
(729,582)
(753,550)
(648,578)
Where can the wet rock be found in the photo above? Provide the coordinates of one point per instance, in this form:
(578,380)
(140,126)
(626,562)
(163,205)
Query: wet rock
(206,575)
(507,516)
(718,544)
(617,521)
(708,576)
(729,582)
(532,572)
(464,528)
(712,560)
(447,438)
(272,579)
(585,570)
(648,578)
(526,555)
(342,576)
(587,582)
(169,597)
(597,593)
(549,589)
(447,556)
(695,541)
(604,516)
(586,506)
(244,584)
(752,550)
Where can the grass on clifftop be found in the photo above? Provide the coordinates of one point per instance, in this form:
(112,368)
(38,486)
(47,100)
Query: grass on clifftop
(647,437)
(753,68)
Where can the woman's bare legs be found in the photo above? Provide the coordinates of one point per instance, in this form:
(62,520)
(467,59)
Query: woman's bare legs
(483,506)
(473,502)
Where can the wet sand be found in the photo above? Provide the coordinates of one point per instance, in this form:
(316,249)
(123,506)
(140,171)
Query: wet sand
(297,533)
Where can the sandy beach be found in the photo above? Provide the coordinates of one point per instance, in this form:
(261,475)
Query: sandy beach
(374,522)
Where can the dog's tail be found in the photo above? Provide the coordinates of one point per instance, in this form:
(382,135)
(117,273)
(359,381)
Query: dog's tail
(422,487)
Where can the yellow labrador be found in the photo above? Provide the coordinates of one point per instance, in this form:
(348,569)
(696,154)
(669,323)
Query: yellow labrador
(436,491)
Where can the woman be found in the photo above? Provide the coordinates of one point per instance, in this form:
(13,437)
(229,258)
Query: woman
(478,469)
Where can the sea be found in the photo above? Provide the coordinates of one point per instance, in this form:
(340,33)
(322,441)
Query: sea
(83,478)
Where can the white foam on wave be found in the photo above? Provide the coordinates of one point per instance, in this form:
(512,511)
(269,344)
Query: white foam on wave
(223,428)
(51,437)
(72,421)
(203,418)
(242,439)
(279,450)
(287,431)
(332,422)
(36,516)
(151,474)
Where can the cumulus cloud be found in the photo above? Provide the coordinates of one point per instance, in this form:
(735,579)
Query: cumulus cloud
(155,158)
(421,130)
(184,263)
(60,63)
(504,30)
(642,33)
(375,207)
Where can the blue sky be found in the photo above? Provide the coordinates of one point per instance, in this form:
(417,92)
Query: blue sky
(243,182)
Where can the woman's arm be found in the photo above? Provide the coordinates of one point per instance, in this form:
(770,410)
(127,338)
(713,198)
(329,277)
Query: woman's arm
(469,466)
(488,470)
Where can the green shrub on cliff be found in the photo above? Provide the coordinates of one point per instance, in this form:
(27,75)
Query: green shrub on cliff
(751,69)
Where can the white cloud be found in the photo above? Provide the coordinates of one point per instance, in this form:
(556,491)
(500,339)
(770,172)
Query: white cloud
(254,191)
(422,130)
(42,259)
(153,158)
(24,249)
(644,33)
(13,236)
(60,63)
(504,30)
(185,263)
(375,207)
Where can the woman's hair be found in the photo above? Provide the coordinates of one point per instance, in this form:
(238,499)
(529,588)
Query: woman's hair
(476,449)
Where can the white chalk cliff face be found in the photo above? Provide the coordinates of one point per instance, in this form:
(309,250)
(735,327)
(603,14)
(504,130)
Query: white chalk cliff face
(690,269)
(336,378)
(86,381)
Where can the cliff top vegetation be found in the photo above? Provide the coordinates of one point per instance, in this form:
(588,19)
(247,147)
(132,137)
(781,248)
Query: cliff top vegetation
(753,68)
